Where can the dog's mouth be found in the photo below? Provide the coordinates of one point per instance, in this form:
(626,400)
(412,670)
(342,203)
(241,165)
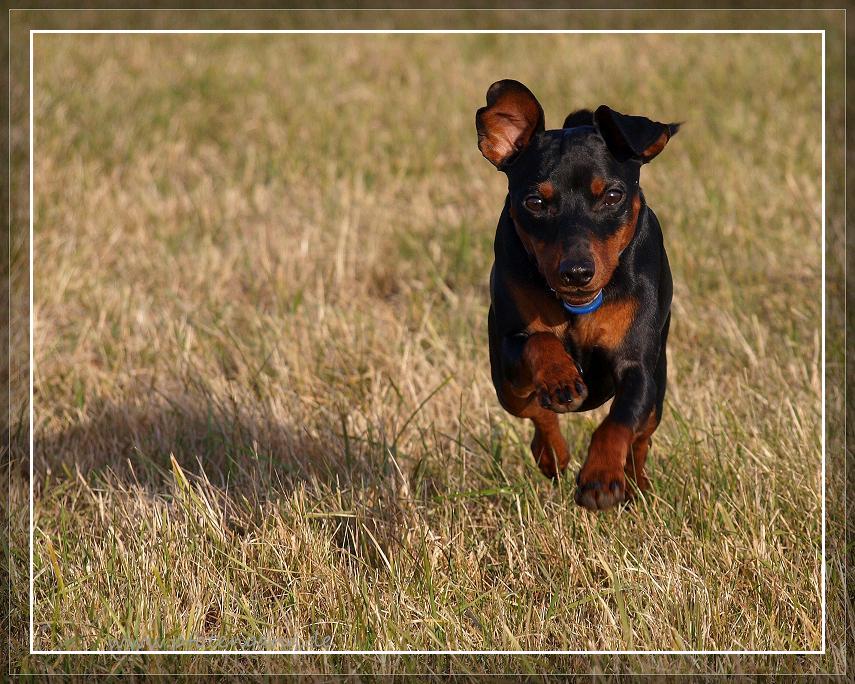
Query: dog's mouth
(578,297)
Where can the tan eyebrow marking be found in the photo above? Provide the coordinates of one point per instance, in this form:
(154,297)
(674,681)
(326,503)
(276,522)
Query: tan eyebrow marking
(546,190)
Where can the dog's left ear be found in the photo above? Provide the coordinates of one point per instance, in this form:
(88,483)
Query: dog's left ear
(632,137)
(508,122)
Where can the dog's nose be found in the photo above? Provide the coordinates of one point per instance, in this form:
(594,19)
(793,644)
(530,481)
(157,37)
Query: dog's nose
(576,272)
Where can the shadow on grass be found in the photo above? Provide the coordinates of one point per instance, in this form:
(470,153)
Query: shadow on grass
(242,450)
(358,486)
(354,489)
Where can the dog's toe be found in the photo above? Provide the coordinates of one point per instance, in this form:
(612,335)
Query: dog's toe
(600,494)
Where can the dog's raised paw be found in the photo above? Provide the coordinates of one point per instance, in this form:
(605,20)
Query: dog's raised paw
(561,389)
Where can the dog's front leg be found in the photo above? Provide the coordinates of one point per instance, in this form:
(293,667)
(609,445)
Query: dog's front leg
(549,375)
(601,482)
(539,381)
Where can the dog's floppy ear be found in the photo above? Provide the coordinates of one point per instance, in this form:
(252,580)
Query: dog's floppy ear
(582,117)
(508,122)
(632,137)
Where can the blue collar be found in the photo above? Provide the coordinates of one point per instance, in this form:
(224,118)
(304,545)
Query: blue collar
(591,306)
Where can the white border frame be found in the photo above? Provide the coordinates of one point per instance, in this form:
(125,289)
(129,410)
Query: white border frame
(33,32)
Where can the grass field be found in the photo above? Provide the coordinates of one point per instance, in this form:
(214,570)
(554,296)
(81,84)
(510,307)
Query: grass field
(263,412)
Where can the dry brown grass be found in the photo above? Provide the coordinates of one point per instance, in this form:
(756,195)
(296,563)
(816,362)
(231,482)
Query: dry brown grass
(262,395)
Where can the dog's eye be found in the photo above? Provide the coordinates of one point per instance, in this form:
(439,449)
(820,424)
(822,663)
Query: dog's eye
(533,203)
(612,197)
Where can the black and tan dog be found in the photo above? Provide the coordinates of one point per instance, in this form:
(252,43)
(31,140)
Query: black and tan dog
(580,288)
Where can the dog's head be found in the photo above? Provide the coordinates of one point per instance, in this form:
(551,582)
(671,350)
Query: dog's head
(573,193)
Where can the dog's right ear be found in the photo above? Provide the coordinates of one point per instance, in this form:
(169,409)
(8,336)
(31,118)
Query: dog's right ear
(632,137)
(506,125)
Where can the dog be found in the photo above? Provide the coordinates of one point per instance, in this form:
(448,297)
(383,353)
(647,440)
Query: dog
(580,289)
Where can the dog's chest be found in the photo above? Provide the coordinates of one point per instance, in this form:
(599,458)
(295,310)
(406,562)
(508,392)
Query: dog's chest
(607,327)
(604,329)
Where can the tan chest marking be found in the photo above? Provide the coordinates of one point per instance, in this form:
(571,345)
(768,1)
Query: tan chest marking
(537,311)
(606,327)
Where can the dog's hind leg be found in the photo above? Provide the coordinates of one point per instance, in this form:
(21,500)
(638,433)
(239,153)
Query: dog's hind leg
(634,468)
(637,457)
(548,446)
